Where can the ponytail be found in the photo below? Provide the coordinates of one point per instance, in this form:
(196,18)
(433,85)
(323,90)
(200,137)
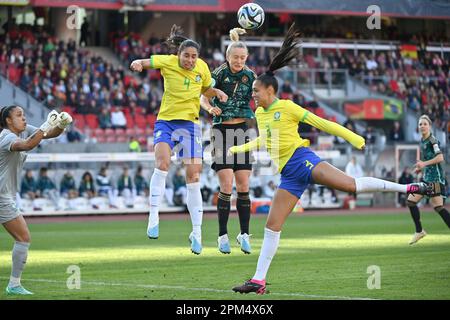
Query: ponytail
(287,52)
(177,41)
(234,36)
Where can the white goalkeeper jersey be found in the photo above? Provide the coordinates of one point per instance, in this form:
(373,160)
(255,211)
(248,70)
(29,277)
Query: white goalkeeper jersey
(11,163)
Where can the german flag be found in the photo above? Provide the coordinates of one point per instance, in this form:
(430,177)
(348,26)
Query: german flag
(354,110)
(408,51)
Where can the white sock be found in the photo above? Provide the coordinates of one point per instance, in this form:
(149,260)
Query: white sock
(195,206)
(369,184)
(13,282)
(19,259)
(157,189)
(268,250)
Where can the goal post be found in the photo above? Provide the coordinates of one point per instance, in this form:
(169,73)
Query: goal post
(399,149)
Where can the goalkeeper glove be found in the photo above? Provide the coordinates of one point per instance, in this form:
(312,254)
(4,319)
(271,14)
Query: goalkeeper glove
(64,120)
(52,121)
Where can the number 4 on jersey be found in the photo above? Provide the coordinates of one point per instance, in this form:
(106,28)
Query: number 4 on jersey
(187,82)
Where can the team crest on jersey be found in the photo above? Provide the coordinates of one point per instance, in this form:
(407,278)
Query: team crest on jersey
(226,80)
(244,79)
(198,78)
(277,116)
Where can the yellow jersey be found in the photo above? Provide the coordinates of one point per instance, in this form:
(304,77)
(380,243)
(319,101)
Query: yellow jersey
(278,131)
(182,88)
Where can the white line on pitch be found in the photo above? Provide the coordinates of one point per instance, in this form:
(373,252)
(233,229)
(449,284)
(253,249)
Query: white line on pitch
(154,286)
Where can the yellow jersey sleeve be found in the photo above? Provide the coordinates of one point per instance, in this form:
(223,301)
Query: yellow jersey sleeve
(255,143)
(249,146)
(160,61)
(329,127)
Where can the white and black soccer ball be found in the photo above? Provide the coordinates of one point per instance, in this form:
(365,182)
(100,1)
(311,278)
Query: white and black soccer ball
(250,16)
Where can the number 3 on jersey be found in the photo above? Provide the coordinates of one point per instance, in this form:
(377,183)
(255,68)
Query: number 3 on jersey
(268,131)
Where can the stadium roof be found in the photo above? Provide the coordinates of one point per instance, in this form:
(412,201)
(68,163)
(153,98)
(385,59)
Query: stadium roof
(439,9)
(153,5)
(431,9)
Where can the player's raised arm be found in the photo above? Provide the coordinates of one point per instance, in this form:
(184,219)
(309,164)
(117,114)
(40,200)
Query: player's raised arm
(140,64)
(334,129)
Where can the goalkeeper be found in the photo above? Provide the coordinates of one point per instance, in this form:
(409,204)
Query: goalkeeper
(16,138)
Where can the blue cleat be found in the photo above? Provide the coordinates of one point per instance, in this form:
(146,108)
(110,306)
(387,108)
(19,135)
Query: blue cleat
(224,244)
(153,233)
(19,290)
(196,246)
(244,241)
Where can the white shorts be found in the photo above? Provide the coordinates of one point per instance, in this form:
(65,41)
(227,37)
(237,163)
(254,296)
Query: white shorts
(8,211)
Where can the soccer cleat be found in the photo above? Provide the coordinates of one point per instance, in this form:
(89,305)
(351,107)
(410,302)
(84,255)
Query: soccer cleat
(417,236)
(252,285)
(19,290)
(153,232)
(420,188)
(196,245)
(244,241)
(224,244)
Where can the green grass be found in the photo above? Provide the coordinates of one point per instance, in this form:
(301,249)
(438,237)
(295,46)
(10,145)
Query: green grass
(319,257)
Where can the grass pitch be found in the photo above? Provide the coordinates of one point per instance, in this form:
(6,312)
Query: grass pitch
(319,257)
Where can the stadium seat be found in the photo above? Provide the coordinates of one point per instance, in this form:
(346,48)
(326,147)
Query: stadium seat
(130,121)
(99,132)
(79,121)
(151,119)
(320,112)
(140,111)
(92,121)
(110,138)
(67,109)
(139,131)
(130,132)
(148,132)
(109,132)
(120,132)
(121,138)
(126,111)
(100,139)
(140,202)
(140,121)
(286,95)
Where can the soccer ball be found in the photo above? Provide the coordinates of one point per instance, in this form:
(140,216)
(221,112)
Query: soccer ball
(250,16)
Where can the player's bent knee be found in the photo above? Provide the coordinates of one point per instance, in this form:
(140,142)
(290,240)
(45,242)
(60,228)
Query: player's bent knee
(226,187)
(163,165)
(193,177)
(243,187)
(438,208)
(350,185)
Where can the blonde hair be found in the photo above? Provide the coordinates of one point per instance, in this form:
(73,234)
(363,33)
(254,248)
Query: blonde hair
(234,36)
(424,116)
